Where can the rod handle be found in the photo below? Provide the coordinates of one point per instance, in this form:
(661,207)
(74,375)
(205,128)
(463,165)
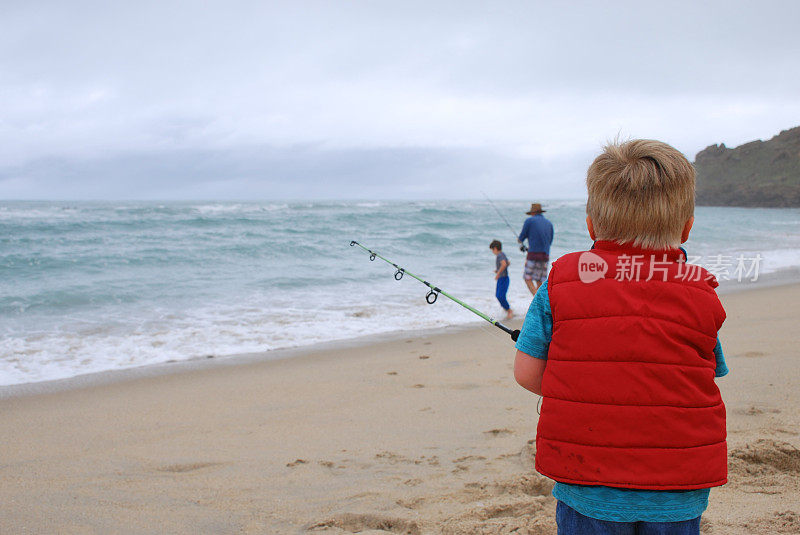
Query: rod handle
(513,334)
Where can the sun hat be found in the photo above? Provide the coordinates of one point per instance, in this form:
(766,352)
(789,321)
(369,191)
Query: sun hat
(536,208)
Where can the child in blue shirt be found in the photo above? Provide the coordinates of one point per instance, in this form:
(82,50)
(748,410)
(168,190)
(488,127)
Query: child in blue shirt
(501,276)
(632,426)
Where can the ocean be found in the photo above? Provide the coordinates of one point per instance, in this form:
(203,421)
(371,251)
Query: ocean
(94,286)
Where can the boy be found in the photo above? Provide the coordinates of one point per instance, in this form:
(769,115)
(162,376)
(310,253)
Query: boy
(621,342)
(501,276)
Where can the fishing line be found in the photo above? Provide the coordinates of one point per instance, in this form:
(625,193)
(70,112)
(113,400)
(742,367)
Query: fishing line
(521,247)
(434,291)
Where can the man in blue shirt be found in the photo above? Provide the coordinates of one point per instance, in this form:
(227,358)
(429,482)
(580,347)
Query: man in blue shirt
(539,232)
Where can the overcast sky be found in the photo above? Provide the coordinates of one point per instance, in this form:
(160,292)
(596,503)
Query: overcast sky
(264,100)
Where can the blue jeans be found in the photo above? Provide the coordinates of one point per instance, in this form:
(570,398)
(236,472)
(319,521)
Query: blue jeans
(571,522)
(500,292)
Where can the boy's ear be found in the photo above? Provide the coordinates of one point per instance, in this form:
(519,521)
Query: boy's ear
(687,228)
(590,226)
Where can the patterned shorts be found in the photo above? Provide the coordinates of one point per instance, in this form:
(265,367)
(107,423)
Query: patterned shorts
(535,270)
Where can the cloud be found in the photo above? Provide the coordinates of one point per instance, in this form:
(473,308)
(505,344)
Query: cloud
(298,172)
(522,84)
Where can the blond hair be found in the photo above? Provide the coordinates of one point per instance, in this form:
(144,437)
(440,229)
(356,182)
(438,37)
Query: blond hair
(640,192)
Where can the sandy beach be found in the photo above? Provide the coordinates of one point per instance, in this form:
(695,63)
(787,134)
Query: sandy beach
(422,434)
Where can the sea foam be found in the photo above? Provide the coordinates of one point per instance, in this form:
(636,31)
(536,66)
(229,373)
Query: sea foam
(88,287)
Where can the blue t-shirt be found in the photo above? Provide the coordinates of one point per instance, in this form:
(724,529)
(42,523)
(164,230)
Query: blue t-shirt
(500,257)
(538,230)
(610,503)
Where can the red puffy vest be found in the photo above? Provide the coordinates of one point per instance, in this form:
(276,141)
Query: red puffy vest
(629,394)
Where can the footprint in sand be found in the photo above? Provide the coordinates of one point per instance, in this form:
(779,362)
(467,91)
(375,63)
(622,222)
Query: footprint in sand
(296,462)
(180,468)
(333,466)
(390,457)
(520,516)
(498,432)
(528,454)
(511,509)
(779,522)
(764,466)
(779,456)
(526,484)
(754,411)
(469,458)
(415,503)
(357,523)
(394,458)
(521,504)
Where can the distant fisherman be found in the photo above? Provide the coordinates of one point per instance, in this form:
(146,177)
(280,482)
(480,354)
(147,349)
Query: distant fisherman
(538,230)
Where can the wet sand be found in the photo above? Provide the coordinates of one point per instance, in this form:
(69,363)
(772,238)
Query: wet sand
(424,434)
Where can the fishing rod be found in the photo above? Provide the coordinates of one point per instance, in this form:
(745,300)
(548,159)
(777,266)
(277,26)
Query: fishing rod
(434,291)
(521,247)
